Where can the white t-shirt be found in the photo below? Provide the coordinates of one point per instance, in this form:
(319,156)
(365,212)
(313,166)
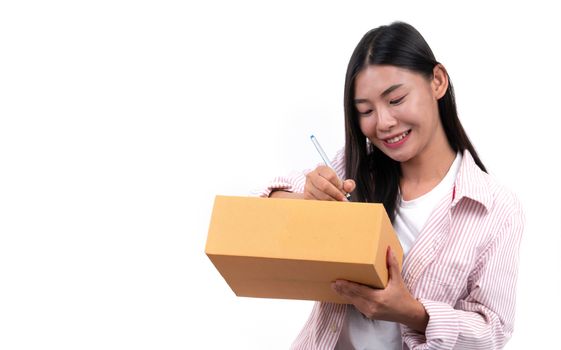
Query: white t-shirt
(361,333)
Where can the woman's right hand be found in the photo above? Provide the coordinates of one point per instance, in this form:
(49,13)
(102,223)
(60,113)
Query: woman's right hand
(324,184)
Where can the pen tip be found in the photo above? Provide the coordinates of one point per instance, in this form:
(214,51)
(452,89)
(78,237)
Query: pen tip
(312,136)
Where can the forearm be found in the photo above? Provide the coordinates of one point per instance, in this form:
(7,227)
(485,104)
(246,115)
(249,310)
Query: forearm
(285,194)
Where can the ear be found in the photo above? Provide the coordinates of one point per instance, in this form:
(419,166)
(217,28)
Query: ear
(439,83)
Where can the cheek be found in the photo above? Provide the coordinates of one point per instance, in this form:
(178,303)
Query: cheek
(411,112)
(367,126)
(426,108)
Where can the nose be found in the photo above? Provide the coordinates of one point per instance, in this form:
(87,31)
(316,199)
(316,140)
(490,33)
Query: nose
(386,120)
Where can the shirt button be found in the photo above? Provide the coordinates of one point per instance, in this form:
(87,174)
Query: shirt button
(333,327)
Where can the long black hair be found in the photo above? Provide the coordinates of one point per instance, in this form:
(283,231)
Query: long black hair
(377,175)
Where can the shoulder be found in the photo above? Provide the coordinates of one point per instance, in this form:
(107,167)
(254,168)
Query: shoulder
(482,191)
(503,198)
(484,209)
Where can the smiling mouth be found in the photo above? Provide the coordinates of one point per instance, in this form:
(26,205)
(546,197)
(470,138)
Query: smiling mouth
(397,138)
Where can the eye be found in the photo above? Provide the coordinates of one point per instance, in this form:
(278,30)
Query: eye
(364,113)
(397,101)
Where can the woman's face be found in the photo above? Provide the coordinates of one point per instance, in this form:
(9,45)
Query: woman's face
(398,110)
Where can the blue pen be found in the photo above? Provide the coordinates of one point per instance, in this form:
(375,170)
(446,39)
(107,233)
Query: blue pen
(325,159)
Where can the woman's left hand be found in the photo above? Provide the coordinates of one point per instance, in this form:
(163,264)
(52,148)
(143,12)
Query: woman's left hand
(394,303)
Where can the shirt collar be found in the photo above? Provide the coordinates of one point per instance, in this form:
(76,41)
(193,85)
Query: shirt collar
(472,183)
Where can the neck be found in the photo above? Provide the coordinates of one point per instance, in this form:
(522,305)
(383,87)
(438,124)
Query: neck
(421,174)
(430,165)
(427,170)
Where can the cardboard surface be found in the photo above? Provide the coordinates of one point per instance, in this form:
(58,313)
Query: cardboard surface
(294,249)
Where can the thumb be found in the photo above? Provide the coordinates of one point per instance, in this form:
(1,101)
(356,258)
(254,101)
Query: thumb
(393,266)
(349,185)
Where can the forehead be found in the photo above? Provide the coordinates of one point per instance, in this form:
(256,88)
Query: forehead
(375,79)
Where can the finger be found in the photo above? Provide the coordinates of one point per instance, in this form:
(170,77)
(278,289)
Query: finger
(312,191)
(393,266)
(351,290)
(318,194)
(349,185)
(330,184)
(330,175)
(360,296)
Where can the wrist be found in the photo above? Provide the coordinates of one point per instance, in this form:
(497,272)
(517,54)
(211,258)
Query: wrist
(416,316)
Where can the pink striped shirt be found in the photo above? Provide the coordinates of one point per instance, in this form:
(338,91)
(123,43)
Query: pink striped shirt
(463,267)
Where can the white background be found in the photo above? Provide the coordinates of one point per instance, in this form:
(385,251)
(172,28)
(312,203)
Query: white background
(121,120)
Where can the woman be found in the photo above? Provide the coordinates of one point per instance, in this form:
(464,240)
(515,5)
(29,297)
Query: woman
(460,230)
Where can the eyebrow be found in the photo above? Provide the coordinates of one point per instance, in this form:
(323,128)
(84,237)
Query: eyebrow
(383,94)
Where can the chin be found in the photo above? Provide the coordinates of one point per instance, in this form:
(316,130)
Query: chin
(401,157)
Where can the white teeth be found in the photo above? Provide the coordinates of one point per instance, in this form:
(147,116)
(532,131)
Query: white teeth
(397,138)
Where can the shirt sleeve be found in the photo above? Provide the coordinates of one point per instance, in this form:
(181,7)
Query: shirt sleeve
(485,319)
(295,181)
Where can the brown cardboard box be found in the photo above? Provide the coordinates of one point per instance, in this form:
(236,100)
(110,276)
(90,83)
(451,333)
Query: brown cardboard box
(294,249)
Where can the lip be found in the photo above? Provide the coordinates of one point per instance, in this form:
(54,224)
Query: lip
(398,143)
